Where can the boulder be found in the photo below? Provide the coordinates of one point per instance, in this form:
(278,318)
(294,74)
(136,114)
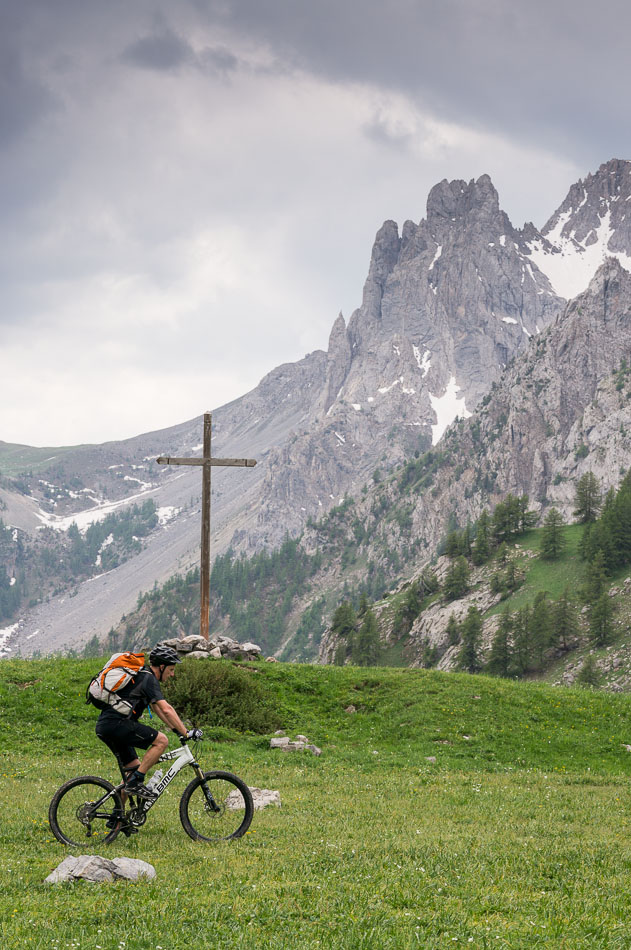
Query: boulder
(262,797)
(92,867)
(198,654)
(251,647)
(300,744)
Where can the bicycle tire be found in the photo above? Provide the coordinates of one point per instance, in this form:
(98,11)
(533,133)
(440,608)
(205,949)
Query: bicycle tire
(235,808)
(69,814)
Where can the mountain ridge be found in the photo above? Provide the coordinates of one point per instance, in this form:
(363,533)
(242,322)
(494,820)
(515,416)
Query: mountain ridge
(437,325)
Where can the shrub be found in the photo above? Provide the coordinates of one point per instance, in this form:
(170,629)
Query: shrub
(217,693)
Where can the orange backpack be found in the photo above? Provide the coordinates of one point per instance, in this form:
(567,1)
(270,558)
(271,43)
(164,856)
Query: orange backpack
(103,689)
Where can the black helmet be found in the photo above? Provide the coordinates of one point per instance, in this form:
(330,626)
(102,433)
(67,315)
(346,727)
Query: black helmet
(163,656)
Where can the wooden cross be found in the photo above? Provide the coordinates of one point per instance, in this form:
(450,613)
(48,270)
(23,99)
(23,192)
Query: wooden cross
(207,462)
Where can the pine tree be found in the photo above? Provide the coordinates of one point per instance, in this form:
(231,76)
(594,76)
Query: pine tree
(482,545)
(601,621)
(588,675)
(500,657)
(552,536)
(344,625)
(540,628)
(469,656)
(595,579)
(367,646)
(588,498)
(465,541)
(457,579)
(522,651)
(564,622)
(452,545)
(340,654)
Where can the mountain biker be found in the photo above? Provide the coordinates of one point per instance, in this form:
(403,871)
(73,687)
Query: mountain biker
(122,734)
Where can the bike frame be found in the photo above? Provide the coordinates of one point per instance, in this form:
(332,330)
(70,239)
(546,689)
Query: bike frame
(180,758)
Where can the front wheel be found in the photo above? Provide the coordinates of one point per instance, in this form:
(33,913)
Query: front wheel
(216,808)
(85,810)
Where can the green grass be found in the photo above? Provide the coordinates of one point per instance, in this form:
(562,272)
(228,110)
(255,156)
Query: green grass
(551,576)
(516,836)
(18,459)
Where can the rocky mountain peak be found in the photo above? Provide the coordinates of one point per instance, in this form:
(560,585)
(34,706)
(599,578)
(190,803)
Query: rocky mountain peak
(456,199)
(385,253)
(593,221)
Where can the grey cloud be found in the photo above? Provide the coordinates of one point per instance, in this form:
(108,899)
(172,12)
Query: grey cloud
(23,99)
(218,59)
(380,131)
(164,51)
(553,70)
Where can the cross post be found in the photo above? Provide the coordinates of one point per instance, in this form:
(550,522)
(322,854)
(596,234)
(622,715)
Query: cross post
(207,462)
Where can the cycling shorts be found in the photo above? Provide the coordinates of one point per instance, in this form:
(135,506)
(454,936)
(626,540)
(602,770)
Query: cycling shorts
(123,735)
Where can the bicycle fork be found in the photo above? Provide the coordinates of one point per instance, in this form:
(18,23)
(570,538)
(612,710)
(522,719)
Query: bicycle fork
(212,804)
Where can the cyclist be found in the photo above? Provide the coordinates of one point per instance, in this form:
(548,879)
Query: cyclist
(122,734)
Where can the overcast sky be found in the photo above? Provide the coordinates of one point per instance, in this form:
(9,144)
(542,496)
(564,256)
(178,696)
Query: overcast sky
(190,189)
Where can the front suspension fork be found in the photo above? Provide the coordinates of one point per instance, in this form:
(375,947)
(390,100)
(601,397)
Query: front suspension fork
(206,790)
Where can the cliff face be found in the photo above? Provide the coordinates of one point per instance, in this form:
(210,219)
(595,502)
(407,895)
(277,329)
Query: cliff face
(560,410)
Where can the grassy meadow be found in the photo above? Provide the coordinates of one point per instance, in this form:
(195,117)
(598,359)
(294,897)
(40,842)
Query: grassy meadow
(448,810)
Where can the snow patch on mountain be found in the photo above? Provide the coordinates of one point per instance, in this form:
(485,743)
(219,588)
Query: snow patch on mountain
(447,408)
(570,264)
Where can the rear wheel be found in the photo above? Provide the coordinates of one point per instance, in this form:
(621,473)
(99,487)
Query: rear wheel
(216,808)
(85,810)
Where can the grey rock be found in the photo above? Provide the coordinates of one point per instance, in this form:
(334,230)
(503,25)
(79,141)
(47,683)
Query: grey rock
(279,743)
(193,642)
(89,867)
(197,655)
(132,869)
(262,797)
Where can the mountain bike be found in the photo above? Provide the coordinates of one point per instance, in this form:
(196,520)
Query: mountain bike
(215,806)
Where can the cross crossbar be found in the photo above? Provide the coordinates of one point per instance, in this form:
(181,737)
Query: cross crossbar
(167,460)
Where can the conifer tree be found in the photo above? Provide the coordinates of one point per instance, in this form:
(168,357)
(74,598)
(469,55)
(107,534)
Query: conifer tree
(522,651)
(552,536)
(469,656)
(367,647)
(601,621)
(588,498)
(465,541)
(481,549)
(500,657)
(595,579)
(453,631)
(588,675)
(540,628)
(457,579)
(564,622)
(452,545)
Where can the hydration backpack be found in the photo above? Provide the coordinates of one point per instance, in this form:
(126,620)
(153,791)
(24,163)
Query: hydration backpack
(120,670)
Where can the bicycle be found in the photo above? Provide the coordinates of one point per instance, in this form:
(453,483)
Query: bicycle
(215,806)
